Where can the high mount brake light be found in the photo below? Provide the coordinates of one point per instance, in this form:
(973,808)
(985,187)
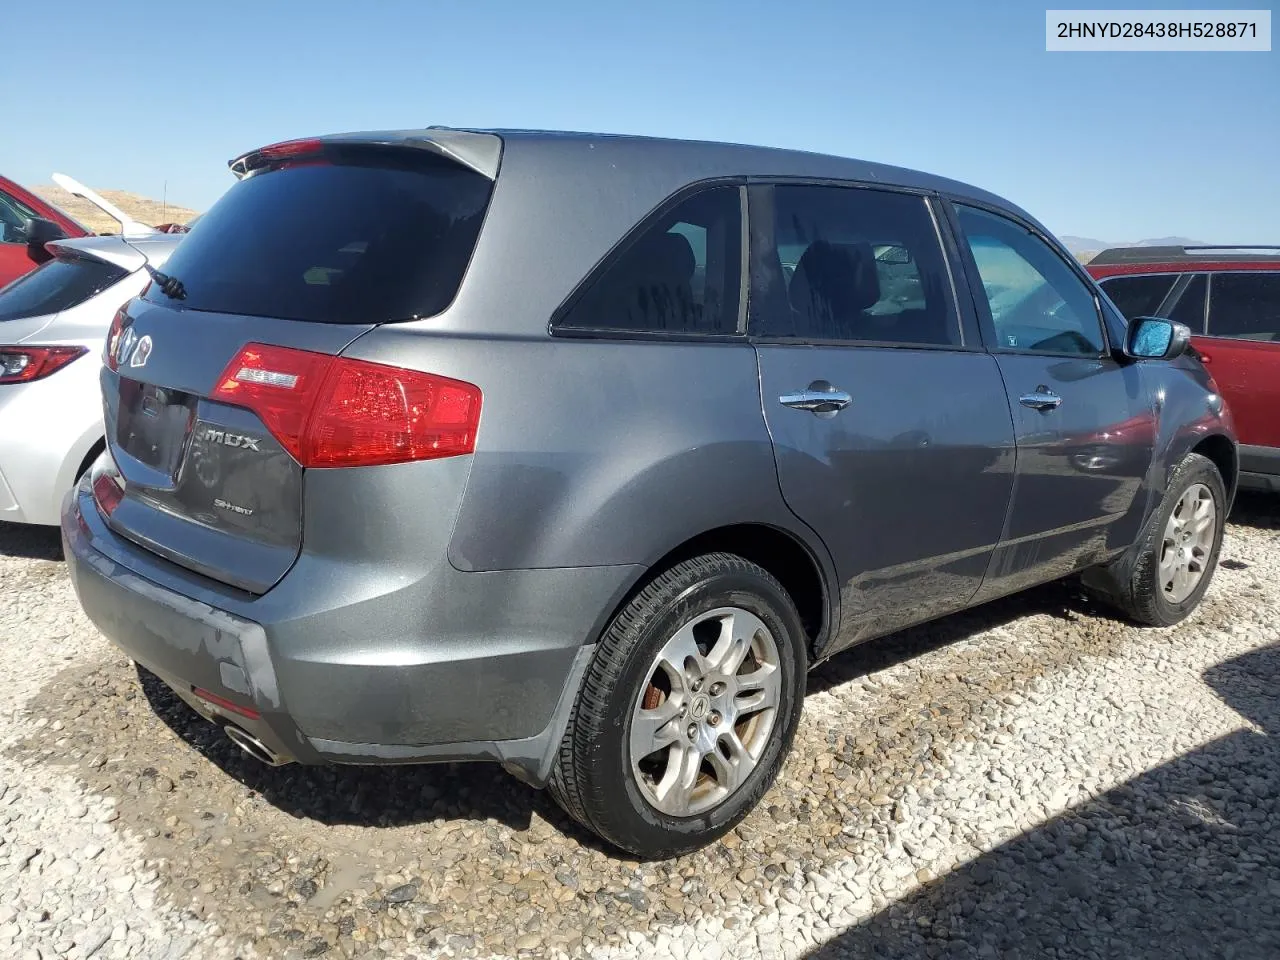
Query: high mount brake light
(308,150)
(289,149)
(23,364)
(339,412)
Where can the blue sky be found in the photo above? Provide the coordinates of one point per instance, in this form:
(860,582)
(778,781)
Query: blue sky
(1121,146)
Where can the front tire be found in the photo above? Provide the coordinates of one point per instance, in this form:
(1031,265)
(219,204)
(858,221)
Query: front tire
(687,710)
(1179,548)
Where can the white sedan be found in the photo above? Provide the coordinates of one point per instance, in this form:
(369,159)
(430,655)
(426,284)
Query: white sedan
(53,324)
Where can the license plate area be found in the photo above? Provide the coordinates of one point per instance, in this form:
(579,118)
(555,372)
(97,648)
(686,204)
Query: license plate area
(154,424)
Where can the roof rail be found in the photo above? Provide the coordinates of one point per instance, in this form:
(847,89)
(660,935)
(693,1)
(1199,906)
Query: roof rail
(1188,254)
(1233,246)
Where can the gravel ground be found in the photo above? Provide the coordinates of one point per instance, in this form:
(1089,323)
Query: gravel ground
(1033,778)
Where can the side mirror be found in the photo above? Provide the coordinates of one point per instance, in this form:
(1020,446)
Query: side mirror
(39,232)
(1155,338)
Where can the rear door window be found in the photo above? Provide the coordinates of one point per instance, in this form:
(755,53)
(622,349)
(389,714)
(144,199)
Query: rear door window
(1245,306)
(57,285)
(361,235)
(679,275)
(855,265)
(1138,296)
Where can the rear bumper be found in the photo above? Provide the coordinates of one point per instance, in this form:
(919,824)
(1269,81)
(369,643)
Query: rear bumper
(490,674)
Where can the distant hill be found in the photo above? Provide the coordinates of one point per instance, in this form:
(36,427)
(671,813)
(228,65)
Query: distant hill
(1084,244)
(147,211)
(1086,247)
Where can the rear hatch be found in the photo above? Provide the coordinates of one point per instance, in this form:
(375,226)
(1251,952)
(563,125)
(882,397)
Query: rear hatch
(222,387)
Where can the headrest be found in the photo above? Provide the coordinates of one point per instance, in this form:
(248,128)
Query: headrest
(834,281)
(665,255)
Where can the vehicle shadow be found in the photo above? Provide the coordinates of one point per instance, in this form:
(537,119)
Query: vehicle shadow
(390,796)
(28,542)
(1182,861)
(1256,509)
(368,796)
(1063,599)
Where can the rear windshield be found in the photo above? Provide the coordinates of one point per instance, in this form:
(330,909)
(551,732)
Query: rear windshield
(57,285)
(366,236)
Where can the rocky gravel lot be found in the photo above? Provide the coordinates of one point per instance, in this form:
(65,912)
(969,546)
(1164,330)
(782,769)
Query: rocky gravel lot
(1031,779)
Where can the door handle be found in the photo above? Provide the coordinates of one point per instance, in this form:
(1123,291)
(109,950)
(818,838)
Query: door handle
(819,397)
(1042,399)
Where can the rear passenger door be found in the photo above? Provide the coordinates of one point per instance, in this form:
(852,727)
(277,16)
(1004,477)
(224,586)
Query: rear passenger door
(1243,353)
(1085,422)
(890,425)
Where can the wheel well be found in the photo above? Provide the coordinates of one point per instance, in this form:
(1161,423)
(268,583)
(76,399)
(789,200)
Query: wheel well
(779,553)
(94,452)
(1222,452)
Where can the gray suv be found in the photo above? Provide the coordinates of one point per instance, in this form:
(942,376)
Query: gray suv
(576,452)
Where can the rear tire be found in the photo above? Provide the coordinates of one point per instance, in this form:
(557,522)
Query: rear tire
(1189,523)
(668,747)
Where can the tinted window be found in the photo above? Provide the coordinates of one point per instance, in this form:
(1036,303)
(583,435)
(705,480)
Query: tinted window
(1189,308)
(841,263)
(1245,305)
(1037,302)
(679,275)
(56,285)
(367,236)
(1138,296)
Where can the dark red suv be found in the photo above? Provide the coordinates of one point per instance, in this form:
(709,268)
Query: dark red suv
(1230,298)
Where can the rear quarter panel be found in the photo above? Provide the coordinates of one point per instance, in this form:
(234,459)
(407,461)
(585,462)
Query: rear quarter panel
(601,452)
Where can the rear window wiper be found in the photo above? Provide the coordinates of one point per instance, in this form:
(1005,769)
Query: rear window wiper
(171,287)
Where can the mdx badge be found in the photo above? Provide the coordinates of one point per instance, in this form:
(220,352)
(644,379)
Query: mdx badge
(228,439)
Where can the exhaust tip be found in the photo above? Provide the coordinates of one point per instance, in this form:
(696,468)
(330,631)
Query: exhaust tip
(254,747)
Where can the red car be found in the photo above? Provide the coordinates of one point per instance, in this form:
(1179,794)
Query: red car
(1230,298)
(27,223)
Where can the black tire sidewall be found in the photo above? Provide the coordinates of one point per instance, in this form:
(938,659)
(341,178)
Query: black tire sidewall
(1197,470)
(632,821)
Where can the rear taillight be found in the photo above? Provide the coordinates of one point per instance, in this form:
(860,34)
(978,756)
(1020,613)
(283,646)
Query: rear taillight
(24,364)
(338,412)
(113,337)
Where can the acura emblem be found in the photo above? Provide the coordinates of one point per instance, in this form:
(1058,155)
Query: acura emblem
(141,352)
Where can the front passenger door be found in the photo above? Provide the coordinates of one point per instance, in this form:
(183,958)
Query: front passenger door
(1084,421)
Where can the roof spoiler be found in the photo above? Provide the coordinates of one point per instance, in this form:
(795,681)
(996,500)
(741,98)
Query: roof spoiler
(111,250)
(129,227)
(480,152)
